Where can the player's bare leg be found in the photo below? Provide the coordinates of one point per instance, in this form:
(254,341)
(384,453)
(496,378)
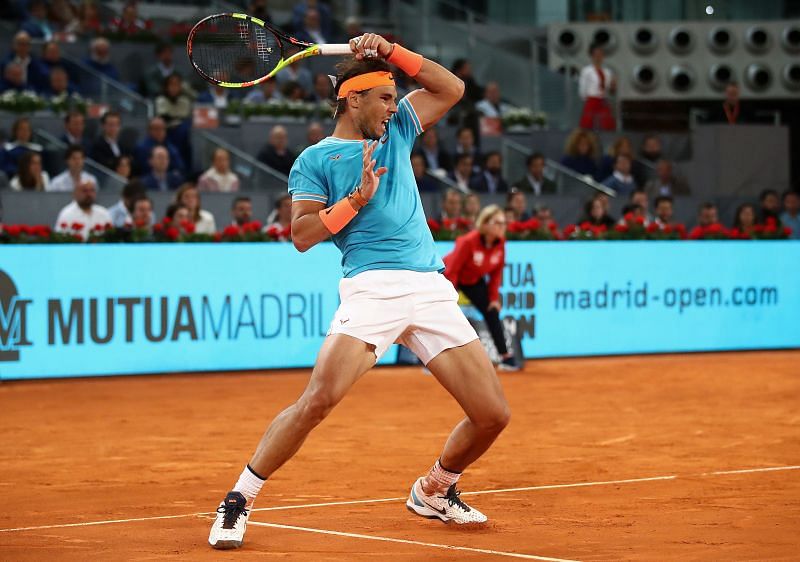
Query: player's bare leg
(341,362)
(468,375)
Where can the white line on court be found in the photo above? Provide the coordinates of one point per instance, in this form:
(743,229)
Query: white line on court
(578,485)
(749,470)
(383,500)
(405,541)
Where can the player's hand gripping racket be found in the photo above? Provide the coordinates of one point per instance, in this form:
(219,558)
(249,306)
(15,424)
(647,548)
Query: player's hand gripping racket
(237,50)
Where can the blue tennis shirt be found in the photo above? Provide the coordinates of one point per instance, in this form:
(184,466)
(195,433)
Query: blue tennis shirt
(391,231)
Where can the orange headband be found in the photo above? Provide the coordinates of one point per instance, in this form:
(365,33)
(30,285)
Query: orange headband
(365,82)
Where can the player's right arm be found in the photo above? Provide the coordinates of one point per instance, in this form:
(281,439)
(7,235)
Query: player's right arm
(312,222)
(307,227)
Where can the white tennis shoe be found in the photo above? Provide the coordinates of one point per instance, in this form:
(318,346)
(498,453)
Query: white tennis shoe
(447,507)
(231,522)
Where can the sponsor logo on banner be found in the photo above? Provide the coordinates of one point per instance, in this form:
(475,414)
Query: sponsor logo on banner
(13,320)
(518,297)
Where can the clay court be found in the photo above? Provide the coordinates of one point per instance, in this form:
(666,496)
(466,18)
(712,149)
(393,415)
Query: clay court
(690,457)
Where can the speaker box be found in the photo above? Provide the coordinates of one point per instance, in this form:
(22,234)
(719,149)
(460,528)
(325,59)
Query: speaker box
(683,60)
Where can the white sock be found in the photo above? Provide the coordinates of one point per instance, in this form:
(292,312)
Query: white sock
(249,484)
(440,479)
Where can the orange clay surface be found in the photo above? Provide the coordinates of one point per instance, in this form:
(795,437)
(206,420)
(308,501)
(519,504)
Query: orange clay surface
(141,448)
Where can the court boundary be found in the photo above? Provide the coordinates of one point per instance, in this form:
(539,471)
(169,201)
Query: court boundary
(670,477)
(408,541)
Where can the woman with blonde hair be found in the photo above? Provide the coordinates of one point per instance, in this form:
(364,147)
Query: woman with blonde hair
(477,255)
(581,153)
(189,196)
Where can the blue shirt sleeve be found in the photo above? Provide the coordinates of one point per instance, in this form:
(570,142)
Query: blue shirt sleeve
(306,182)
(407,122)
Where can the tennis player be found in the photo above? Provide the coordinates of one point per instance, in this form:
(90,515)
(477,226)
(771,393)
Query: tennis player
(358,187)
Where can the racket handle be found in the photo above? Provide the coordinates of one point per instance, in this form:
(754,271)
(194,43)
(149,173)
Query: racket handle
(334,49)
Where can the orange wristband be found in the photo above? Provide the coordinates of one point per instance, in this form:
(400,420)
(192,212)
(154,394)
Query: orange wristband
(358,198)
(338,215)
(407,61)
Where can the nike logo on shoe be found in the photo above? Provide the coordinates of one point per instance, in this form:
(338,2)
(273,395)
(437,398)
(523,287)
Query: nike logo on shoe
(442,510)
(344,321)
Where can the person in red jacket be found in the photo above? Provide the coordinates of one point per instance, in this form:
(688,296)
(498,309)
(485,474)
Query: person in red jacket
(479,254)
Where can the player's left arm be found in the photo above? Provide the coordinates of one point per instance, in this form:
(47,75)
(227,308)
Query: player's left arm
(441,88)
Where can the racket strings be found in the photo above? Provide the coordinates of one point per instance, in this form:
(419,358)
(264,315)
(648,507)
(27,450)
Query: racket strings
(234,50)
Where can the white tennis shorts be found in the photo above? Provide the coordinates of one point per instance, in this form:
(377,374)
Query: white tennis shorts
(416,309)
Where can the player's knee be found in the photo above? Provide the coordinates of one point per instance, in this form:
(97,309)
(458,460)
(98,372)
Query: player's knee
(495,420)
(315,407)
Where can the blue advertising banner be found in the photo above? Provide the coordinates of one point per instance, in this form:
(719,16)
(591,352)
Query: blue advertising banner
(141,308)
(607,298)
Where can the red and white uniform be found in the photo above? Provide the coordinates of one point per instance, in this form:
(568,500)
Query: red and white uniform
(593,86)
(471,260)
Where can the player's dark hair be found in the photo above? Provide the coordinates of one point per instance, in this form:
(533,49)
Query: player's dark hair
(661,198)
(349,68)
(594,46)
(787,193)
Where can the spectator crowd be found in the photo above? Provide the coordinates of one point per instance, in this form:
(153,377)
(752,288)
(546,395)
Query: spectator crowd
(162,159)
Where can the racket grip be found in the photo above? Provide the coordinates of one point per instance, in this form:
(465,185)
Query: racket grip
(335,49)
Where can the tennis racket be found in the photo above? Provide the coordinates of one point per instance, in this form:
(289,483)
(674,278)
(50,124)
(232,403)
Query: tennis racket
(237,51)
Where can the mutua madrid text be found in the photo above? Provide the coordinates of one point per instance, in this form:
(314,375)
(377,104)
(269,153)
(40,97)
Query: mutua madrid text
(184,317)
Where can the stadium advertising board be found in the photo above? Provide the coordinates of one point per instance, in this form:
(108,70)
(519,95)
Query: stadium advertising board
(132,309)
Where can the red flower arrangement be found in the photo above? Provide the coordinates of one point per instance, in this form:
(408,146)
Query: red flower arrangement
(585,231)
(250,232)
(713,231)
(449,229)
(532,229)
(36,234)
(632,229)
